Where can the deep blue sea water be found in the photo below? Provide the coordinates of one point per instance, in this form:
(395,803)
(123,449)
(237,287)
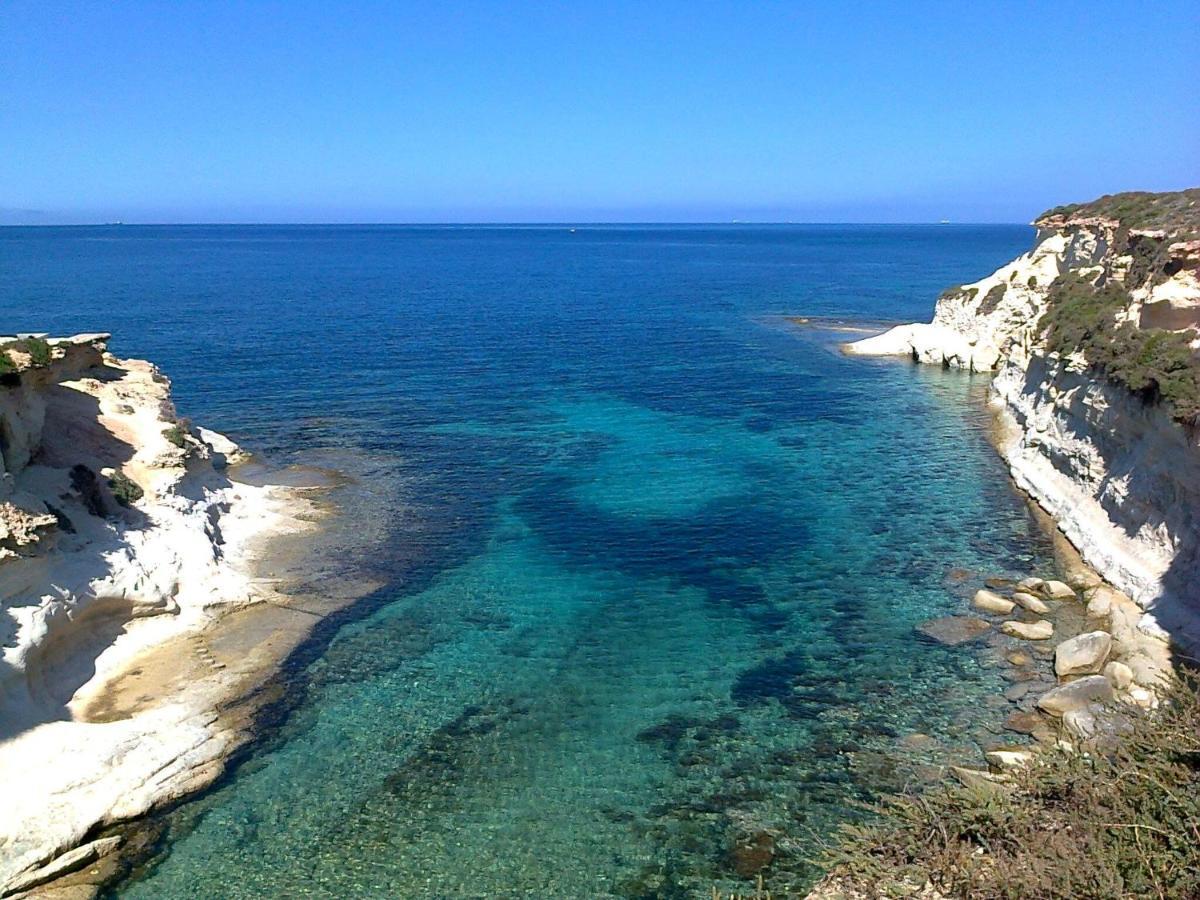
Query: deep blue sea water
(657,557)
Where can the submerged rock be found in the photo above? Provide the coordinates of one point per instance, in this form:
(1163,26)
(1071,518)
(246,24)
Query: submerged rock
(750,855)
(1084,654)
(1025,723)
(953,630)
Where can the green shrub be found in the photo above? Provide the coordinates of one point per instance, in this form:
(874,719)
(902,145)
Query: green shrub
(992,299)
(961,294)
(1080,317)
(1122,822)
(1153,363)
(177,433)
(124,489)
(1176,212)
(38,350)
(1032,282)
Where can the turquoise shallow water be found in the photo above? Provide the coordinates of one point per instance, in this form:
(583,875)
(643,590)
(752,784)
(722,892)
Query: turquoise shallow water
(653,581)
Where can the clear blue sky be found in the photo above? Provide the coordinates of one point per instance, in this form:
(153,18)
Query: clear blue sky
(580,111)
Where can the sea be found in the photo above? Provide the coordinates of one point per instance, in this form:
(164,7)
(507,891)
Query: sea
(652,553)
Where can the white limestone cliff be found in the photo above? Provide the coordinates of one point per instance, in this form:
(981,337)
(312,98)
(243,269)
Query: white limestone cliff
(123,543)
(1120,476)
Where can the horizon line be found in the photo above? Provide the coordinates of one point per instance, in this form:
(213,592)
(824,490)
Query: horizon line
(485,224)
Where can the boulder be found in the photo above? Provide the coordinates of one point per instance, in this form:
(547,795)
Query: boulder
(1100,602)
(1143,697)
(1018,658)
(1041,630)
(1025,722)
(1081,723)
(1119,675)
(1030,585)
(1031,603)
(1015,692)
(953,630)
(1084,654)
(992,603)
(1083,579)
(997,582)
(1077,694)
(1004,759)
(1057,590)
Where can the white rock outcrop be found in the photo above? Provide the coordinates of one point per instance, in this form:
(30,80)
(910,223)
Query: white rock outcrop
(118,536)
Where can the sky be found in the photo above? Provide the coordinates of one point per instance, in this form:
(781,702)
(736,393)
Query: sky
(586,111)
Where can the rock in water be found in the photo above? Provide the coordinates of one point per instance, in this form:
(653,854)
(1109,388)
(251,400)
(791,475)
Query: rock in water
(1040,630)
(1008,758)
(1076,695)
(992,603)
(1025,722)
(1057,590)
(953,630)
(1031,603)
(750,855)
(1084,654)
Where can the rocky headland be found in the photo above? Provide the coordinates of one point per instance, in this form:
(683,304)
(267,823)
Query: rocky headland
(1092,337)
(142,598)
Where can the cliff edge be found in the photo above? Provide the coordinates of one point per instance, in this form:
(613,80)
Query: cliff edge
(124,542)
(1093,336)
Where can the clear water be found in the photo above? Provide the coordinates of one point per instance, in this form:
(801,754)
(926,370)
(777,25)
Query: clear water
(653,581)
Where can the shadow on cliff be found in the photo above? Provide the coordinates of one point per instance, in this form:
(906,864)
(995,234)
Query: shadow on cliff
(1150,488)
(57,669)
(76,443)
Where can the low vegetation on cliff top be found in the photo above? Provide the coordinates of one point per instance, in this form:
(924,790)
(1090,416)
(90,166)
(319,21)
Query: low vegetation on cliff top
(1173,212)
(1119,823)
(1156,364)
(38,350)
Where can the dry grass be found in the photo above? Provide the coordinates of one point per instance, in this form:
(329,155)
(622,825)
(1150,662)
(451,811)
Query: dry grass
(1120,823)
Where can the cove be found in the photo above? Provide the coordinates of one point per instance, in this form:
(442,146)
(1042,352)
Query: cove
(657,562)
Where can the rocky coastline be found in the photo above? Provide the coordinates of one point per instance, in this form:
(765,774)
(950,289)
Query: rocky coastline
(1112,472)
(152,582)
(1107,454)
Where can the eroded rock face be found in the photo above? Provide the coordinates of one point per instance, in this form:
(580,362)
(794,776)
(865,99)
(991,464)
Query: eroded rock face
(116,532)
